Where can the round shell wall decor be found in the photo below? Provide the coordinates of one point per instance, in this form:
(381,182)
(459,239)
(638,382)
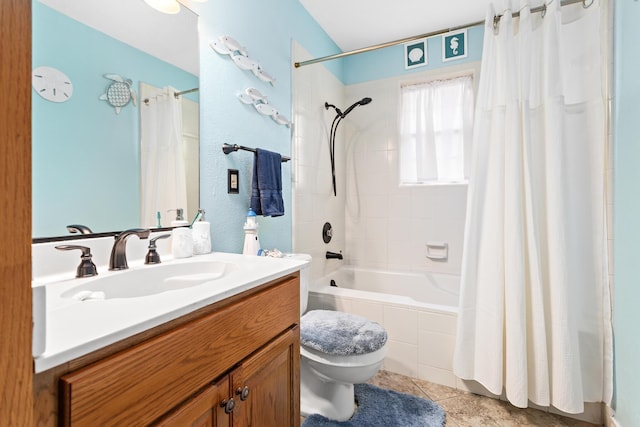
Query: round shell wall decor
(119,92)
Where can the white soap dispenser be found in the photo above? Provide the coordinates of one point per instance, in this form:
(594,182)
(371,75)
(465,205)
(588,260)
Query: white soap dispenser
(181,242)
(181,236)
(179,221)
(251,241)
(201,235)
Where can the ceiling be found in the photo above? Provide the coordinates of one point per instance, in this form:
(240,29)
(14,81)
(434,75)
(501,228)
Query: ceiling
(172,38)
(353,24)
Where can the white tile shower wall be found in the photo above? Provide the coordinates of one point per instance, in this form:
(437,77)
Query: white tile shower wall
(313,200)
(388,226)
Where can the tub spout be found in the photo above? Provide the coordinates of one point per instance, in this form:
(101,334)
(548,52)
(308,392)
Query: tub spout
(333,255)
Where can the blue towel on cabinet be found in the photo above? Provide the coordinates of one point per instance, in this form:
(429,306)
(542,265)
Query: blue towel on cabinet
(266,188)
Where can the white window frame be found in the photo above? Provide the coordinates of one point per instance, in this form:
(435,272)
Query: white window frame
(447,73)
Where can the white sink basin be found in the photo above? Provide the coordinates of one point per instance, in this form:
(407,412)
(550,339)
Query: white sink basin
(148,280)
(137,299)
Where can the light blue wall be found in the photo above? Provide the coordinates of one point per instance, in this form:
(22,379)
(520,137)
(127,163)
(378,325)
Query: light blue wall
(267,29)
(99,184)
(627,212)
(389,62)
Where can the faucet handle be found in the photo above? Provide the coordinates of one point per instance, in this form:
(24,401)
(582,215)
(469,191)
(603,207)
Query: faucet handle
(152,256)
(86,268)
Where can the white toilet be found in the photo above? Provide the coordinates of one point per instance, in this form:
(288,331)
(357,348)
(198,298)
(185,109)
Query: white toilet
(337,351)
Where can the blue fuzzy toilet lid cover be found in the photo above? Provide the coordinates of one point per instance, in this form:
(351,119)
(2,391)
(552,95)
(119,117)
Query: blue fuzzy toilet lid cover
(342,334)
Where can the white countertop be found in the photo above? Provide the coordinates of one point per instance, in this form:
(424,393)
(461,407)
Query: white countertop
(75,328)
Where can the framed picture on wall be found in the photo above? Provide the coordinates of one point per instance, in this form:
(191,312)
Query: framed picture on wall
(454,45)
(415,54)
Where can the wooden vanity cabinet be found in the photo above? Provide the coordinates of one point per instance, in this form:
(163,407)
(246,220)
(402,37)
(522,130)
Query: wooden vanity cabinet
(246,352)
(260,392)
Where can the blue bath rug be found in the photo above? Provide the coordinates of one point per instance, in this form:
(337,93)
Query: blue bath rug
(378,407)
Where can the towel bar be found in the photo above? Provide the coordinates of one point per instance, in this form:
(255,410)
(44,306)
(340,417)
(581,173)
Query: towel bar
(228,148)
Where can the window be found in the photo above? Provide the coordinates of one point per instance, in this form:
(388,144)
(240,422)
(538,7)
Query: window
(436,122)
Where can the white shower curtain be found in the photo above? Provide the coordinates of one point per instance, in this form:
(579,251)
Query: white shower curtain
(534,316)
(163,174)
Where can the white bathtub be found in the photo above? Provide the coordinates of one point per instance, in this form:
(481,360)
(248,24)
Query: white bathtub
(418,310)
(427,290)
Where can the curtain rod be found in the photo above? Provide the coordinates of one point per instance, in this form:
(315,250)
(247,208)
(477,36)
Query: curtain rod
(184,92)
(175,94)
(496,20)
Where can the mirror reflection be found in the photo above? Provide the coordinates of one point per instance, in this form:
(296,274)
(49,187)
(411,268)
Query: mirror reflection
(123,149)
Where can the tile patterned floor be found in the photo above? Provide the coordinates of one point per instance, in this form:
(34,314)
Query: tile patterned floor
(469,410)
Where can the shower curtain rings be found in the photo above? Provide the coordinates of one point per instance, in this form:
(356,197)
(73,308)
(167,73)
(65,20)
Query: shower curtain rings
(542,8)
(496,24)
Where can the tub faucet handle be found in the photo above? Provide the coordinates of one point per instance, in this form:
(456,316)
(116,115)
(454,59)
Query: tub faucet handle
(327,232)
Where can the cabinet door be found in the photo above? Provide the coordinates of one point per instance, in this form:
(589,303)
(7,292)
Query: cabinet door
(266,386)
(206,409)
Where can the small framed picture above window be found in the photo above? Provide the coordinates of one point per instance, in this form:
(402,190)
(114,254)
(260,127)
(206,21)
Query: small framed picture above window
(454,45)
(415,54)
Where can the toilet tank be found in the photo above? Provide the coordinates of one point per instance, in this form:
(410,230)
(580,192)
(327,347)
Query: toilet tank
(305,278)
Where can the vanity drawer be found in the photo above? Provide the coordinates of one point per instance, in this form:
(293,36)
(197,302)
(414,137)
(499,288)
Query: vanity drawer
(136,386)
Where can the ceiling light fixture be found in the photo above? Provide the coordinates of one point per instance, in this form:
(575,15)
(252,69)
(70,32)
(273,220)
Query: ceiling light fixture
(164,6)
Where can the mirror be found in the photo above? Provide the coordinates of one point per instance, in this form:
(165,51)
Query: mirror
(86,153)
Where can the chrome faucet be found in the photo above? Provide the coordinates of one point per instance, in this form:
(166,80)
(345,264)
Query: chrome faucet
(118,260)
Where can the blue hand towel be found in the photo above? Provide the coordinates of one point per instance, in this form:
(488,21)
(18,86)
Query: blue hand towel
(266,191)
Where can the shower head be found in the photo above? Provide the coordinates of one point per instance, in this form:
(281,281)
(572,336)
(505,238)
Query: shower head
(332,134)
(363,101)
(340,114)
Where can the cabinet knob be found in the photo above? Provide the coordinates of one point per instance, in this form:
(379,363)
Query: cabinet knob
(243,393)
(228,405)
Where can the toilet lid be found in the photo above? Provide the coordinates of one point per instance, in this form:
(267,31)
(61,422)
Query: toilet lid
(338,333)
